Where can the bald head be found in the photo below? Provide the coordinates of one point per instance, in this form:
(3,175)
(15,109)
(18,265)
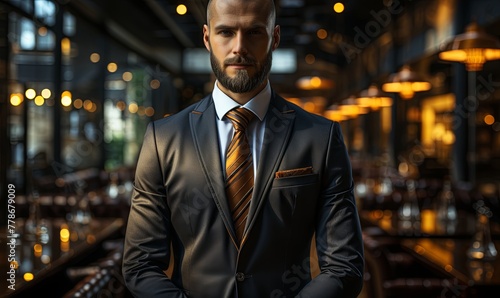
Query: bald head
(264,6)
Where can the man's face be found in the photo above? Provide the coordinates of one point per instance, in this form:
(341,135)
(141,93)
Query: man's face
(240,37)
(241,79)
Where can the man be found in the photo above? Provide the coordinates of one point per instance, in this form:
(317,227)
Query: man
(222,233)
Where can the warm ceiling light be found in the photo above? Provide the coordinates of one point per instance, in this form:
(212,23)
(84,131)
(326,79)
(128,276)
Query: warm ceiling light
(46,93)
(39,100)
(473,48)
(322,34)
(121,105)
(338,7)
(87,104)
(154,84)
(314,83)
(489,119)
(150,111)
(66,98)
(112,67)
(133,108)
(127,76)
(42,31)
(78,103)
(310,59)
(65,46)
(333,113)
(350,108)
(28,276)
(95,57)
(30,93)
(406,82)
(373,98)
(181,9)
(16,99)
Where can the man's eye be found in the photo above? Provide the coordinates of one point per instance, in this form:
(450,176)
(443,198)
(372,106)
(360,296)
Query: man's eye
(225,32)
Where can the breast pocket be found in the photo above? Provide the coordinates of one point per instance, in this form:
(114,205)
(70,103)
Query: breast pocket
(299,180)
(294,196)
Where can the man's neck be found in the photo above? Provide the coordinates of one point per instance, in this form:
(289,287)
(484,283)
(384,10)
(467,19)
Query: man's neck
(242,98)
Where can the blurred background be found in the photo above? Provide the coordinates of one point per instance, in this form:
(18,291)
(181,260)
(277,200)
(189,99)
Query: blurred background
(415,86)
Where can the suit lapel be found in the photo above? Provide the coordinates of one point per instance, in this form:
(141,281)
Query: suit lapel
(205,136)
(279,124)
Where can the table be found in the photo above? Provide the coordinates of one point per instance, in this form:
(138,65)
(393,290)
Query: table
(449,256)
(442,248)
(36,255)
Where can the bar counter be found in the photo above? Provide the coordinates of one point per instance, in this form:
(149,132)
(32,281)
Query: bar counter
(449,255)
(36,257)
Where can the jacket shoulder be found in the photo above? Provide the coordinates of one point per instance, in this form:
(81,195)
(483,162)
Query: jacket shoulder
(182,117)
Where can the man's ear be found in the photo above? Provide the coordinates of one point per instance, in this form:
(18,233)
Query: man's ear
(206,37)
(276,37)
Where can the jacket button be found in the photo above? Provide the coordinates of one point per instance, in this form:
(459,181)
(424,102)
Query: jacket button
(240,276)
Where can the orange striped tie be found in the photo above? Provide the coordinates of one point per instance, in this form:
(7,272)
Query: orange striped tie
(239,169)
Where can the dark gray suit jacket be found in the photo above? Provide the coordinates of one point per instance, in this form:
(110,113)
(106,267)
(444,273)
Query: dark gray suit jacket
(179,207)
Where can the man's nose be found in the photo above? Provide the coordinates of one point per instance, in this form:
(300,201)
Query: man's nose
(240,45)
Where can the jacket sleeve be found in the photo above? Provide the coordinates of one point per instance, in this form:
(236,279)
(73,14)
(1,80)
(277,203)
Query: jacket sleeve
(147,238)
(339,241)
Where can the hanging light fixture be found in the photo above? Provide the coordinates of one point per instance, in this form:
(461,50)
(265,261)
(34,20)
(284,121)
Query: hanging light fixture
(333,113)
(406,82)
(473,48)
(373,98)
(349,107)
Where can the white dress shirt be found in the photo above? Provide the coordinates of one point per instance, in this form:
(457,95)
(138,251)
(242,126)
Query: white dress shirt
(255,131)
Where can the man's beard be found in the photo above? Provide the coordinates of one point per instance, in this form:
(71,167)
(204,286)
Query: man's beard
(242,82)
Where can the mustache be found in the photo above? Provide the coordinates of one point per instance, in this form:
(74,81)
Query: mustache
(239,60)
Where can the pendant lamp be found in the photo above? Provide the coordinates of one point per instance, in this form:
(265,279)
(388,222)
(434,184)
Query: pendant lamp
(406,82)
(473,48)
(373,98)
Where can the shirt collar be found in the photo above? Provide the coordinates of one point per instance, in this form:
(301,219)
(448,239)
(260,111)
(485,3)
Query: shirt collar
(258,104)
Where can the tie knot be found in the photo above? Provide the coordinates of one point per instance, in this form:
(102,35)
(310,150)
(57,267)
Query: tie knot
(240,117)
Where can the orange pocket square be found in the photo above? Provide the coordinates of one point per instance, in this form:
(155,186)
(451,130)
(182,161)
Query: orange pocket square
(294,172)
